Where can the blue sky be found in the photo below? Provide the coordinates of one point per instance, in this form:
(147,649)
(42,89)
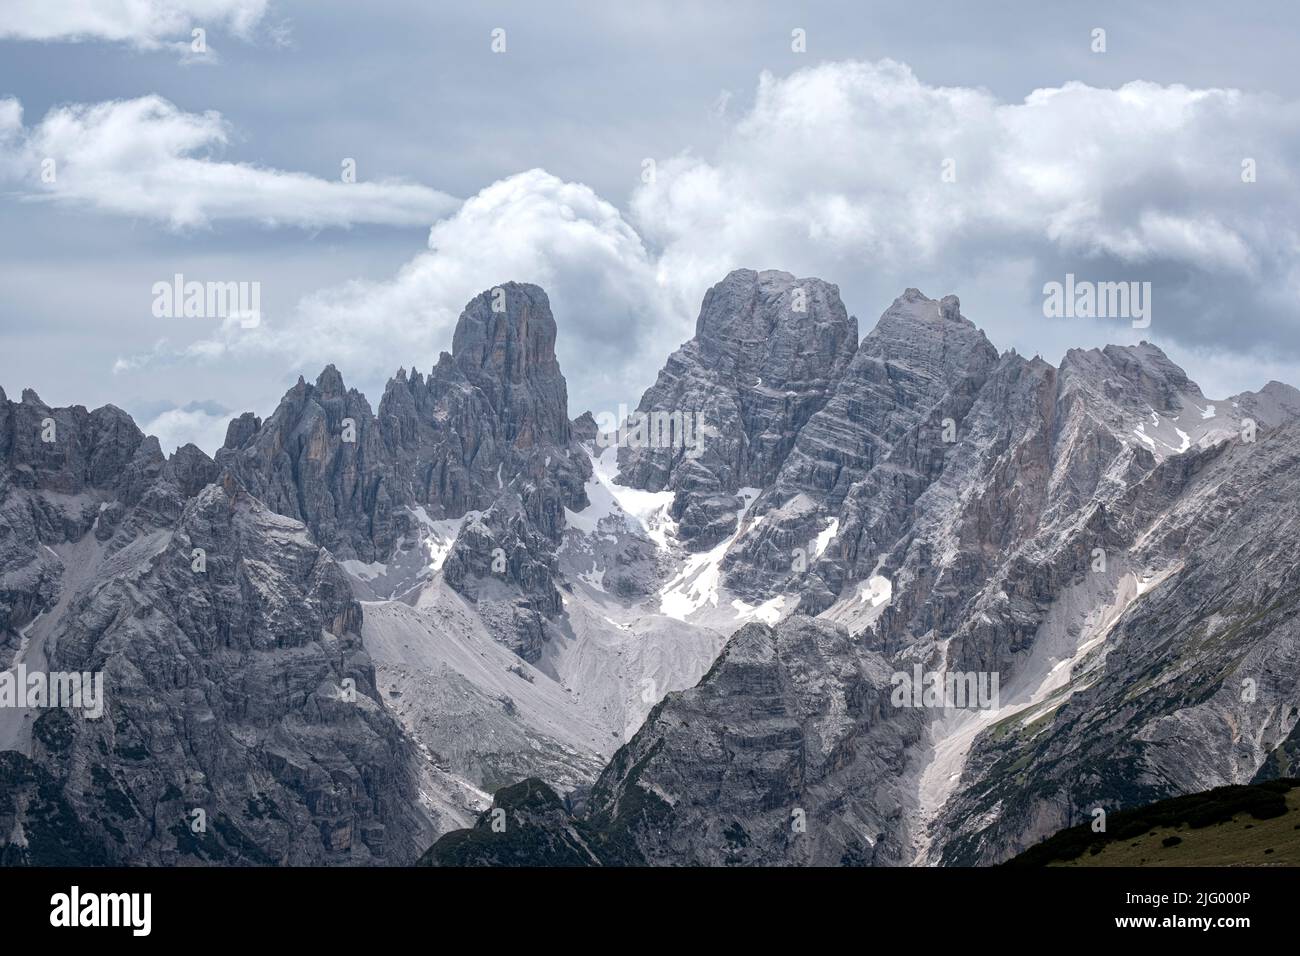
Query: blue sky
(477,167)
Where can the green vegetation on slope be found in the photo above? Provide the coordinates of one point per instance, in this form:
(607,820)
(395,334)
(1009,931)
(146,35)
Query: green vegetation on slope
(1255,825)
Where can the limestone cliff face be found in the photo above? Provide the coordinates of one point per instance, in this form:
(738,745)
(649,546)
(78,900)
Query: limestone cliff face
(766,353)
(234,683)
(1114,546)
(1195,685)
(788,752)
(66,473)
(920,367)
(1101,536)
(241,691)
(321,459)
(493,411)
(486,433)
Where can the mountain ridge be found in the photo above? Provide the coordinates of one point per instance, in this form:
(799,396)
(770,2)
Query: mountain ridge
(535,603)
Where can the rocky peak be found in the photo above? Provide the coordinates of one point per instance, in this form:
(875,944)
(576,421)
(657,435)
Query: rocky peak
(584,427)
(71,450)
(1274,404)
(504,344)
(767,352)
(772,326)
(241,429)
(330,383)
(1137,394)
(320,459)
(494,409)
(1132,376)
(488,431)
(490,418)
(922,363)
(950,308)
(192,469)
(926,344)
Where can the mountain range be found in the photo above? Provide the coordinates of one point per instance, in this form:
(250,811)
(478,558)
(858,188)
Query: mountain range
(466,628)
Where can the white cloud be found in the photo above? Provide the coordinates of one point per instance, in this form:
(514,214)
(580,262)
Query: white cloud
(147,24)
(836,171)
(147,158)
(839,167)
(177,426)
(531,227)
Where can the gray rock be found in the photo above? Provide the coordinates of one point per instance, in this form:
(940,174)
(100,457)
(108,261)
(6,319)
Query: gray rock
(922,364)
(508,569)
(768,349)
(980,489)
(320,458)
(494,410)
(788,752)
(1196,687)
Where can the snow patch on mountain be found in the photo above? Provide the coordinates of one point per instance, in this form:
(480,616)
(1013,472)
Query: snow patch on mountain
(769,611)
(440,535)
(646,512)
(826,536)
(699,581)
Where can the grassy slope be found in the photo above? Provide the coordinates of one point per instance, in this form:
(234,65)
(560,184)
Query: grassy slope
(1230,826)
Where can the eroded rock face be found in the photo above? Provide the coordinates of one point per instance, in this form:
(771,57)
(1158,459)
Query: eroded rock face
(508,569)
(66,473)
(921,352)
(788,752)
(917,371)
(227,644)
(493,410)
(1082,532)
(504,343)
(320,458)
(70,450)
(1195,687)
(768,348)
(242,691)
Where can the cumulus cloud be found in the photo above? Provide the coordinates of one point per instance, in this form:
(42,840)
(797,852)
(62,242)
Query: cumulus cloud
(202,423)
(147,24)
(531,227)
(839,169)
(147,158)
